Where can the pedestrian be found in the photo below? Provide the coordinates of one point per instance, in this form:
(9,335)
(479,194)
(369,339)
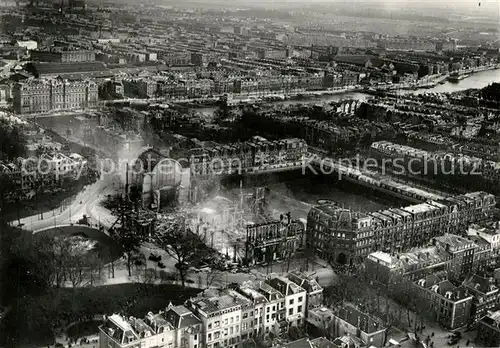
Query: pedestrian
(432,334)
(467,344)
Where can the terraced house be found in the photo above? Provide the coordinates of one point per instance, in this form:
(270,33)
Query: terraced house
(345,236)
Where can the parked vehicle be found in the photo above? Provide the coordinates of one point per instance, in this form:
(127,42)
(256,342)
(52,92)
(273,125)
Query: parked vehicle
(154,257)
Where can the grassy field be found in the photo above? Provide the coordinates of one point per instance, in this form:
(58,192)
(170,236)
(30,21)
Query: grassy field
(106,249)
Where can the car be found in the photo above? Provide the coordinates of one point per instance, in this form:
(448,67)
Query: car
(154,257)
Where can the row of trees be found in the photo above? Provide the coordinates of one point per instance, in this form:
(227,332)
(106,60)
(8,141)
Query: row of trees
(397,306)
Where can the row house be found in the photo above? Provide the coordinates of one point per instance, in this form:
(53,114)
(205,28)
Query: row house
(486,295)
(324,135)
(273,314)
(256,154)
(401,269)
(460,252)
(295,300)
(313,289)
(451,254)
(176,327)
(251,311)
(62,56)
(221,319)
(440,162)
(215,318)
(487,238)
(49,171)
(450,305)
(346,236)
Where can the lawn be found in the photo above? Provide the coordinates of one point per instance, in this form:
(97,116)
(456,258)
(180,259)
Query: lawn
(83,329)
(38,315)
(106,249)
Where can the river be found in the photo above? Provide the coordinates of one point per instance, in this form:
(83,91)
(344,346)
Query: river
(476,80)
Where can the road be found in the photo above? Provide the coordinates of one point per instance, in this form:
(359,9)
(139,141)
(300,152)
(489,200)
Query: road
(85,203)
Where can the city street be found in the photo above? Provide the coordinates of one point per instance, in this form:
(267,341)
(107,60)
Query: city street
(85,203)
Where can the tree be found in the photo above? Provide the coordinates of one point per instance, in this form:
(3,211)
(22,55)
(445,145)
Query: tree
(180,242)
(12,140)
(212,277)
(144,275)
(346,288)
(130,240)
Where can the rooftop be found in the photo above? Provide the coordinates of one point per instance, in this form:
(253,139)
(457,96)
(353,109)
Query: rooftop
(480,284)
(218,303)
(454,243)
(359,319)
(385,258)
(306,282)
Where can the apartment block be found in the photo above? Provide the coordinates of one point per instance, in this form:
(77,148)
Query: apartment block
(486,295)
(38,96)
(451,305)
(258,154)
(63,56)
(388,270)
(346,236)
(460,252)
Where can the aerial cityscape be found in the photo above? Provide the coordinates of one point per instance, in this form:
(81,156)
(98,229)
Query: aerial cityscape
(210,174)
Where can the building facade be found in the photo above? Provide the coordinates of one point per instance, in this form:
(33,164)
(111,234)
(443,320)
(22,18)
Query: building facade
(488,330)
(460,253)
(175,327)
(275,240)
(38,96)
(345,236)
(486,295)
(450,305)
(256,155)
(63,56)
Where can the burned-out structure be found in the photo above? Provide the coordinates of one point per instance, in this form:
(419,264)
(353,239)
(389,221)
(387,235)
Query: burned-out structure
(154,178)
(273,240)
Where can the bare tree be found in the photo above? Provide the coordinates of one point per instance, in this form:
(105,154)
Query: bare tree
(144,275)
(212,277)
(76,272)
(130,240)
(179,242)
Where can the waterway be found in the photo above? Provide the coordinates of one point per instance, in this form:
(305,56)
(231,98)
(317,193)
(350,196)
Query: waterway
(476,80)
